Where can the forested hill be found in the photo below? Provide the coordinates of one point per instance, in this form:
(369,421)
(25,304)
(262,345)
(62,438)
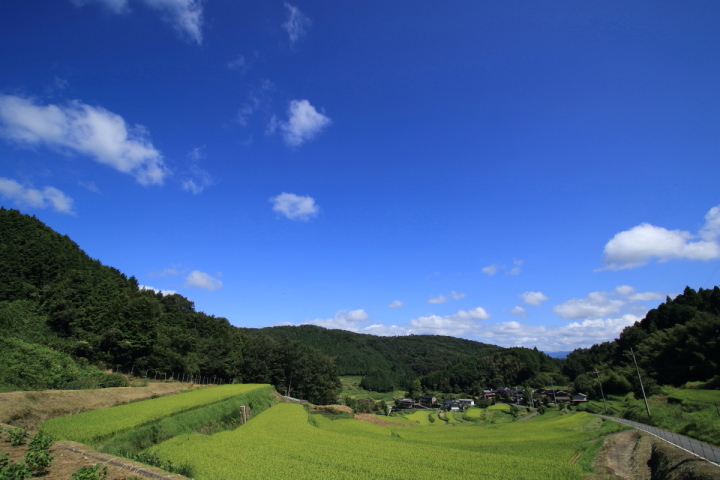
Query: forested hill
(677,342)
(386,362)
(65,316)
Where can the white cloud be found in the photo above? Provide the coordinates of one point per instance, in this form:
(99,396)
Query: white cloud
(491,269)
(639,245)
(202,280)
(296,23)
(295,207)
(438,299)
(519,311)
(157,290)
(456,296)
(457,324)
(343,320)
(629,292)
(186,16)
(396,304)
(91,131)
(302,125)
(48,197)
(594,305)
(568,337)
(533,298)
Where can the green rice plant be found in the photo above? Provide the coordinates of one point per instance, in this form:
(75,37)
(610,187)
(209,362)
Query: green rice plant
(281,443)
(421,417)
(95,426)
(499,406)
(211,418)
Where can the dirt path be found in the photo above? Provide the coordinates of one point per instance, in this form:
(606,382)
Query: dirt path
(30,409)
(624,455)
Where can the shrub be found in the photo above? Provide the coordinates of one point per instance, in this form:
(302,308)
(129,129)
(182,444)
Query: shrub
(90,473)
(15,471)
(41,441)
(17,436)
(37,461)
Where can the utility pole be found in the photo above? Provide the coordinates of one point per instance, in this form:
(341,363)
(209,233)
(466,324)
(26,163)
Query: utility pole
(641,384)
(601,390)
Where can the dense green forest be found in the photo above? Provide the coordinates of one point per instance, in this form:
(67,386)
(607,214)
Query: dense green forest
(447,364)
(676,343)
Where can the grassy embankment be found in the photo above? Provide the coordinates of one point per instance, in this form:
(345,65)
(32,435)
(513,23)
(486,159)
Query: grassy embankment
(687,411)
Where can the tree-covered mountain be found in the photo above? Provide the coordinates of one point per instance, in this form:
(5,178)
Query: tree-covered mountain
(677,342)
(441,363)
(93,316)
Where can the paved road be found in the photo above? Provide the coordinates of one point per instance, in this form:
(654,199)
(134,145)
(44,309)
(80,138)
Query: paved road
(696,447)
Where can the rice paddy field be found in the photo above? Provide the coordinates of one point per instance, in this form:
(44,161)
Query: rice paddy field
(98,425)
(286,441)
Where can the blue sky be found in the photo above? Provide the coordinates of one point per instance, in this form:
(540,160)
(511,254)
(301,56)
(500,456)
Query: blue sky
(510,172)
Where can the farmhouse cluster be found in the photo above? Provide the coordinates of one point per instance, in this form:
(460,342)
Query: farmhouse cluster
(515,396)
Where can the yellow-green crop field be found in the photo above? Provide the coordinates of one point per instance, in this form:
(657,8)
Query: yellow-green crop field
(286,442)
(95,425)
(422,417)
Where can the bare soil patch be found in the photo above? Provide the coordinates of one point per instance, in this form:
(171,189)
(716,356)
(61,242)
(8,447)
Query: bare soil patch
(30,409)
(370,418)
(69,457)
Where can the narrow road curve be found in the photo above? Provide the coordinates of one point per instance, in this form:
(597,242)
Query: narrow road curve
(703,450)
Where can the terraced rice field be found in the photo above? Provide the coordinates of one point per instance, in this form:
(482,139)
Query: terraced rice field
(285,441)
(97,425)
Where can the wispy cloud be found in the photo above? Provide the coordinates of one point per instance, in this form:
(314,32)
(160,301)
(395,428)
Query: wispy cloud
(302,125)
(257,99)
(396,304)
(442,298)
(519,311)
(497,267)
(198,279)
(641,244)
(197,179)
(186,16)
(296,23)
(47,197)
(81,128)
